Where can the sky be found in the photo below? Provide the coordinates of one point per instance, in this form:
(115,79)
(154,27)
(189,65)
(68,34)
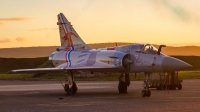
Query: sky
(27,23)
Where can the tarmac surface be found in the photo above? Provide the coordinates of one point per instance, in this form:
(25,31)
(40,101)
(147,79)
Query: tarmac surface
(95,96)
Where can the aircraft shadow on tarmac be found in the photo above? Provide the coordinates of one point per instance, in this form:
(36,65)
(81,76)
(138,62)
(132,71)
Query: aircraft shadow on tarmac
(90,94)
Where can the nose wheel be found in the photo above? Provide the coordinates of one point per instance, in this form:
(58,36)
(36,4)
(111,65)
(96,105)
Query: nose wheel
(146,92)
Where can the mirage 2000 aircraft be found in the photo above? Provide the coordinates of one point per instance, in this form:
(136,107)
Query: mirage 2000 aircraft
(75,56)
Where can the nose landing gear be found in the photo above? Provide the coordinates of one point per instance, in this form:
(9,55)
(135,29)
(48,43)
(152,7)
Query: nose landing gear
(146,92)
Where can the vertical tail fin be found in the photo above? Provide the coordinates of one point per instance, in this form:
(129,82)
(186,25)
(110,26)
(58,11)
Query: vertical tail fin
(68,36)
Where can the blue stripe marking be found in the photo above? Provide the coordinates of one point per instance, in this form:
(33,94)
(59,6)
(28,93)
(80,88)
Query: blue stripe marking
(51,56)
(70,64)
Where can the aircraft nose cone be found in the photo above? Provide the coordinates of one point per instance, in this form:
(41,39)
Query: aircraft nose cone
(173,64)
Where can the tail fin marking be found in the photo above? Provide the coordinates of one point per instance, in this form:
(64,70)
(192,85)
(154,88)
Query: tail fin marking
(62,22)
(68,36)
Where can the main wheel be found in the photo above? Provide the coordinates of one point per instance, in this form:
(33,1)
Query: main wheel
(75,87)
(122,87)
(72,90)
(148,93)
(143,93)
(180,86)
(66,88)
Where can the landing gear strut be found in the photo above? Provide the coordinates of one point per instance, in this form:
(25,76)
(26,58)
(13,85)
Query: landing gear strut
(70,87)
(122,86)
(146,92)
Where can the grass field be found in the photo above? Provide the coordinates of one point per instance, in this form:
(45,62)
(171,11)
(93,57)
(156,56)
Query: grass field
(61,76)
(189,75)
(192,60)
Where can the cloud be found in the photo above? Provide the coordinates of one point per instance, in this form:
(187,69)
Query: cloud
(5,40)
(87,5)
(177,10)
(43,29)
(20,39)
(16,19)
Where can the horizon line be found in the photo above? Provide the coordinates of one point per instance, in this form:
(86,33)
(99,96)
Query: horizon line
(169,45)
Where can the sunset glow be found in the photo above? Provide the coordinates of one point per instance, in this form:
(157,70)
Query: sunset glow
(25,23)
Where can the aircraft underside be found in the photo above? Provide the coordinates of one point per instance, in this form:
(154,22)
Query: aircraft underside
(71,87)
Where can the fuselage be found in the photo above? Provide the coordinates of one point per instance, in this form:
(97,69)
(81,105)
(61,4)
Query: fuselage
(128,58)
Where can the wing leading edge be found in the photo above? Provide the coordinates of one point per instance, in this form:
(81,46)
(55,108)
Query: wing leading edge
(60,69)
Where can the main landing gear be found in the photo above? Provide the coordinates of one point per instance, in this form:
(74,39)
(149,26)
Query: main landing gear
(146,92)
(122,86)
(71,87)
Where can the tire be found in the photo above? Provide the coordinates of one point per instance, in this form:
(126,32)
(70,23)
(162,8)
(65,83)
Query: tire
(122,87)
(180,86)
(143,93)
(75,88)
(67,90)
(72,90)
(148,93)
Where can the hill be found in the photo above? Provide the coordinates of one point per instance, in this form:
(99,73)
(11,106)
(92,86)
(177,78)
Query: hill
(7,64)
(33,52)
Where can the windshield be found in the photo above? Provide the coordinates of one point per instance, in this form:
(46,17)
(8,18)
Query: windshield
(149,49)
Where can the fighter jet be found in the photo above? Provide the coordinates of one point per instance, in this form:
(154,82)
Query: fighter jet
(75,56)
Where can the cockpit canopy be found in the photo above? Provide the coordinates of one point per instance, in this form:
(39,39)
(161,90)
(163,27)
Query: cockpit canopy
(144,48)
